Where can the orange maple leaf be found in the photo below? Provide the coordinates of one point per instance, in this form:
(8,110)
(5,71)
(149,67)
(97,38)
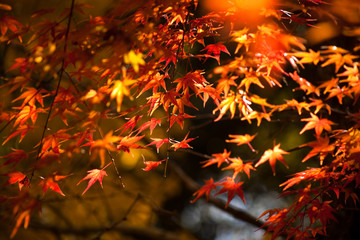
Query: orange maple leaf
(30,95)
(94,175)
(308,57)
(242,139)
(22,129)
(320,147)
(206,189)
(218,158)
(272,155)
(318,124)
(305,85)
(238,166)
(231,188)
(100,146)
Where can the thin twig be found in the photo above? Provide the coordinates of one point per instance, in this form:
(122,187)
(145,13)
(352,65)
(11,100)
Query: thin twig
(62,69)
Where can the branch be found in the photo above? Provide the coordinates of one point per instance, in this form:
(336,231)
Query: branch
(57,87)
(236,213)
(137,232)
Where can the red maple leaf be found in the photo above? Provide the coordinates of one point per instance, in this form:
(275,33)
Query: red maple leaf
(18,177)
(50,182)
(151,165)
(15,157)
(150,124)
(183,143)
(232,188)
(213,51)
(158,142)
(272,155)
(94,175)
(206,189)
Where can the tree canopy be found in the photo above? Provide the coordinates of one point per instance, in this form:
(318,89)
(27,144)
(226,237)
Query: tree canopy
(118,117)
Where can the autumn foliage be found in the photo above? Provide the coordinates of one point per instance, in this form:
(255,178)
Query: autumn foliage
(154,66)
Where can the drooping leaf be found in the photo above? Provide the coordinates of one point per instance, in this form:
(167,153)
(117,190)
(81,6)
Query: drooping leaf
(318,124)
(242,139)
(51,183)
(14,157)
(183,143)
(152,165)
(206,189)
(19,177)
(213,50)
(218,158)
(230,187)
(93,176)
(239,166)
(272,155)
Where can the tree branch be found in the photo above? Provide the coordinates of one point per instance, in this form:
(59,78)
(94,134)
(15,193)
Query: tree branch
(236,213)
(138,232)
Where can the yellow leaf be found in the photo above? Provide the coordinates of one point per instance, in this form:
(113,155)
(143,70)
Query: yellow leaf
(135,59)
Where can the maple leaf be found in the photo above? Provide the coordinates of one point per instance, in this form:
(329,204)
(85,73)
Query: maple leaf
(151,165)
(213,51)
(224,84)
(94,175)
(320,147)
(27,113)
(305,85)
(318,124)
(206,189)
(218,158)
(308,57)
(339,60)
(272,155)
(150,124)
(135,59)
(250,78)
(242,139)
(209,91)
(18,177)
(100,146)
(230,102)
(50,183)
(128,142)
(238,166)
(158,142)
(120,89)
(30,95)
(183,143)
(131,123)
(15,157)
(243,38)
(230,187)
(319,105)
(299,106)
(193,80)
(23,206)
(7,22)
